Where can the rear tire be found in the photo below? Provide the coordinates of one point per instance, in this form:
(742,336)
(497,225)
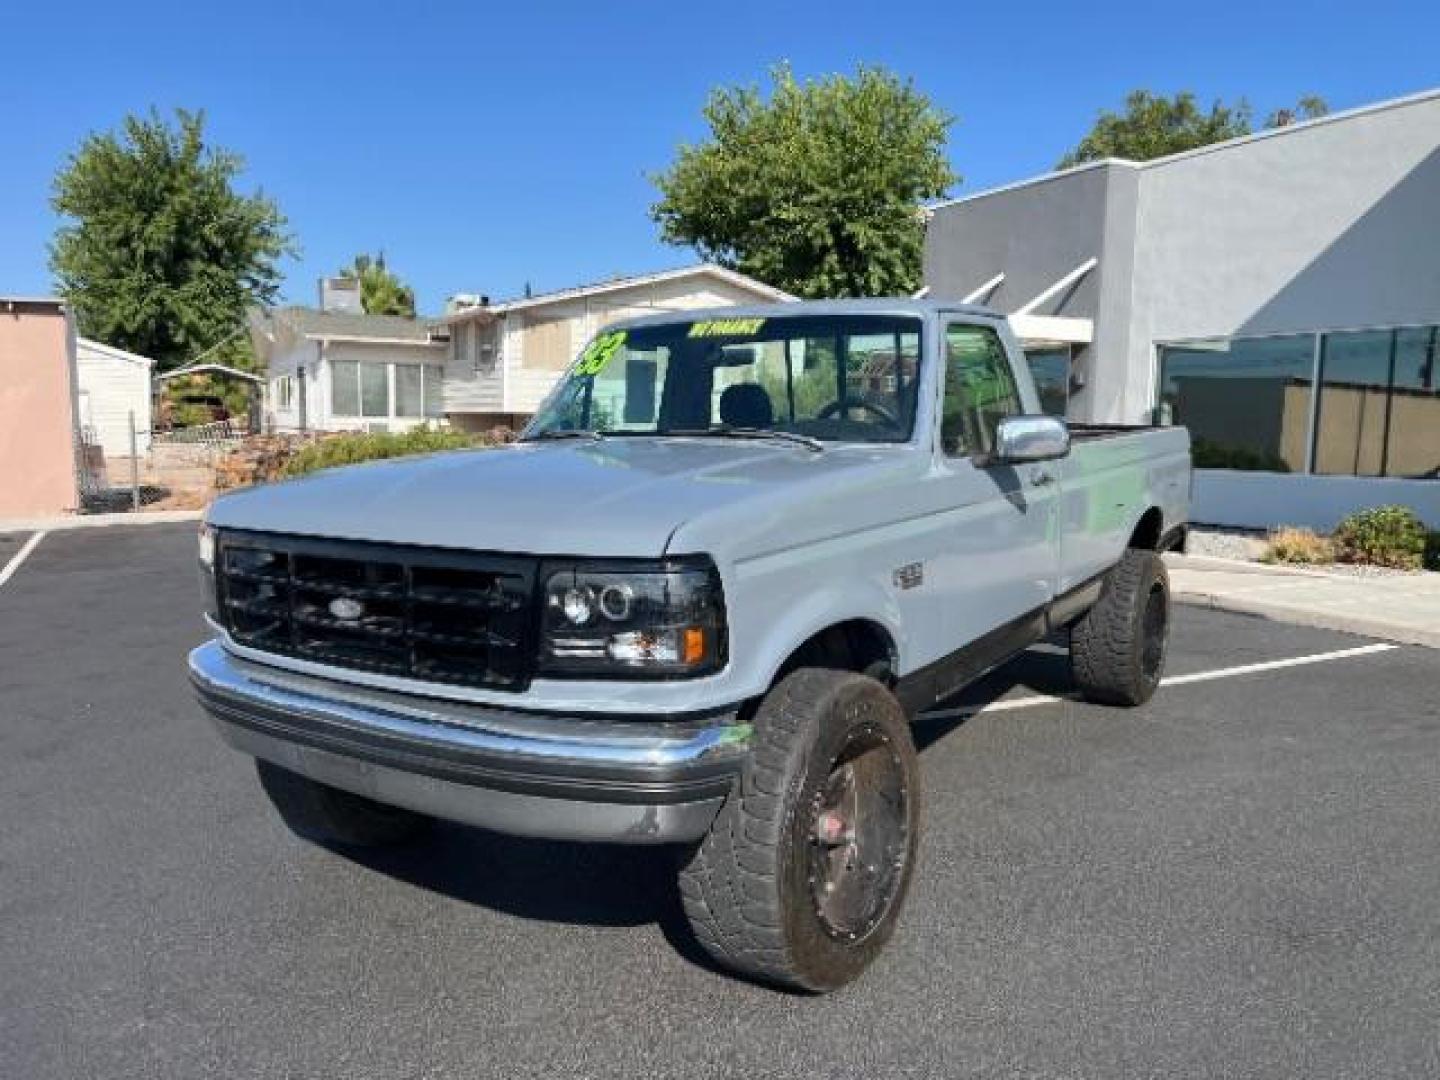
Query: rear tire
(1117,649)
(317,811)
(802,876)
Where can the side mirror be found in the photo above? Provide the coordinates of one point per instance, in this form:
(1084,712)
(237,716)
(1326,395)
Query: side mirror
(1021,439)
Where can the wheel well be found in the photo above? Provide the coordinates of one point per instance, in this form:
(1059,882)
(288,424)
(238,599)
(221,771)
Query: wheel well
(856,645)
(1147,530)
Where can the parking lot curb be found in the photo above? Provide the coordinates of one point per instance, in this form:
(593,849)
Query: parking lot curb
(97,521)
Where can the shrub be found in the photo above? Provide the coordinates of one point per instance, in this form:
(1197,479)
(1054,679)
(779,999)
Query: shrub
(1291,545)
(1382,536)
(262,459)
(354,448)
(1432,550)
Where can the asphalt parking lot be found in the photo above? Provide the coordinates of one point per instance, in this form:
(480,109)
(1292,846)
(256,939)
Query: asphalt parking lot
(1240,879)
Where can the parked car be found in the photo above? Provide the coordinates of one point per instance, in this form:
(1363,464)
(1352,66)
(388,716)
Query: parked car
(697,603)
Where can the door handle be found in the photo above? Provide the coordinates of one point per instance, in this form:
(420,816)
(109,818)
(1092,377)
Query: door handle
(1041,477)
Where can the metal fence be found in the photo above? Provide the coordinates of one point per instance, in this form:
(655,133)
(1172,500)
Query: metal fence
(101,492)
(219,433)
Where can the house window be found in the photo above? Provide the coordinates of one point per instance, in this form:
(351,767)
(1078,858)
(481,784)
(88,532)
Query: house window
(345,388)
(285,393)
(374,390)
(409,390)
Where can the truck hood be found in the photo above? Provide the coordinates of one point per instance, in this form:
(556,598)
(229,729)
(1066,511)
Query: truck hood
(617,497)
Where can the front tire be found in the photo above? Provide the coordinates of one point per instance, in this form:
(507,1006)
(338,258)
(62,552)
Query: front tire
(802,876)
(1117,649)
(317,811)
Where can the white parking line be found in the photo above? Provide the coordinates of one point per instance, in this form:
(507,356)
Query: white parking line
(20,556)
(1275,665)
(1010,704)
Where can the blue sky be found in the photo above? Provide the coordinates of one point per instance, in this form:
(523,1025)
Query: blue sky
(483,146)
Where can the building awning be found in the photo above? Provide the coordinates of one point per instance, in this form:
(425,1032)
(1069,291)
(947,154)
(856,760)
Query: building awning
(1039,330)
(1036,330)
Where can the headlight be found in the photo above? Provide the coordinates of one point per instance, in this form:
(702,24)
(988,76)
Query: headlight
(664,620)
(207,571)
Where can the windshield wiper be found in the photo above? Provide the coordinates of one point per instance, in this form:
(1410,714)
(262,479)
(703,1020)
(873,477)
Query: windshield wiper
(564,433)
(729,431)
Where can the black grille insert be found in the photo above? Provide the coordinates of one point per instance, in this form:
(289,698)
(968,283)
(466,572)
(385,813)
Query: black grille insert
(425,613)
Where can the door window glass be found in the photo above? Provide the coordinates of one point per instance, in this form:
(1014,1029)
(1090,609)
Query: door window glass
(979,390)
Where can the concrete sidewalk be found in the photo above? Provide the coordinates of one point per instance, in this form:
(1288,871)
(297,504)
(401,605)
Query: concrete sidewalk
(97,521)
(1399,607)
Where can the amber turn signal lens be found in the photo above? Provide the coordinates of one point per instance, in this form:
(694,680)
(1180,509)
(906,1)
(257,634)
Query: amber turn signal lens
(694,645)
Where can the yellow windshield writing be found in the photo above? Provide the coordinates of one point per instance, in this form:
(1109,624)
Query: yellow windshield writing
(726,327)
(599,353)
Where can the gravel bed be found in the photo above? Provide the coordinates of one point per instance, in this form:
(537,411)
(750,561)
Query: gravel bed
(1248,545)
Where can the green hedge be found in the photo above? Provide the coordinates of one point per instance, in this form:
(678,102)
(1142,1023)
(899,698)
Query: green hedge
(352,449)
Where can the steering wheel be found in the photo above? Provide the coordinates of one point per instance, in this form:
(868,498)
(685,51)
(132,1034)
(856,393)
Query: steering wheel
(855,403)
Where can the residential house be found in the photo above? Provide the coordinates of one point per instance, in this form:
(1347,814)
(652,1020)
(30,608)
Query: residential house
(114,392)
(338,369)
(504,358)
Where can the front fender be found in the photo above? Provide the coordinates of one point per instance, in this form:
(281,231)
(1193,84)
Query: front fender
(782,618)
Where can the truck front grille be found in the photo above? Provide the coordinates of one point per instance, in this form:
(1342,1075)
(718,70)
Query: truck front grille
(423,613)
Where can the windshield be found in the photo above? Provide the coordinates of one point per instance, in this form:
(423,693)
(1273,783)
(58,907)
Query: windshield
(835,378)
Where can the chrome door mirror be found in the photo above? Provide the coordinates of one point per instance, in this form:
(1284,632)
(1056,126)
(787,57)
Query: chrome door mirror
(1020,439)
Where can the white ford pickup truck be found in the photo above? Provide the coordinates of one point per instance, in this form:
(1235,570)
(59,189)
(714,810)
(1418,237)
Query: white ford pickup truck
(696,604)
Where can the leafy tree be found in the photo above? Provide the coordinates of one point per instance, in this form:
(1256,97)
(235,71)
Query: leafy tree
(816,189)
(381,292)
(160,254)
(1153,126)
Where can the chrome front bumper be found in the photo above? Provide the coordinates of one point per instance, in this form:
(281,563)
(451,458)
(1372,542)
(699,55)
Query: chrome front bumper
(599,778)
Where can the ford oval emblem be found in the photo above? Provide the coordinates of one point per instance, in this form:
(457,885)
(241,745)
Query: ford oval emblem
(344,608)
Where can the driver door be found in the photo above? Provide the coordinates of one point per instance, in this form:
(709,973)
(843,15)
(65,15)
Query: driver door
(1000,556)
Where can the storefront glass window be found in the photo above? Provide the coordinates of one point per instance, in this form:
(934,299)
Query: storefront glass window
(1050,368)
(1246,401)
(1379,403)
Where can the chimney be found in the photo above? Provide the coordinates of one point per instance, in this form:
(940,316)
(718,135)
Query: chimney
(341,294)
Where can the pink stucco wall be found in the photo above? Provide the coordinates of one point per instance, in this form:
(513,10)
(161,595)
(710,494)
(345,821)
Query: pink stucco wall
(37,422)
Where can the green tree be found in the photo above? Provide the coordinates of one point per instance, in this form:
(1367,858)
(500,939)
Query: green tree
(815,190)
(159,254)
(1152,126)
(381,292)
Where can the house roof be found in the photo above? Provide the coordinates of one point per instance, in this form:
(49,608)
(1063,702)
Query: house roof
(616,284)
(110,352)
(1344,116)
(204,369)
(346,326)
